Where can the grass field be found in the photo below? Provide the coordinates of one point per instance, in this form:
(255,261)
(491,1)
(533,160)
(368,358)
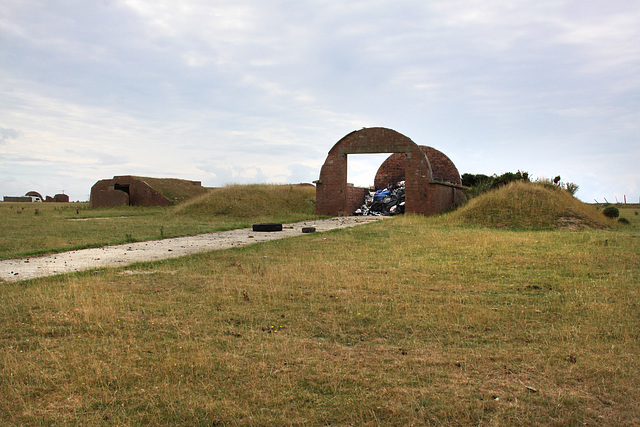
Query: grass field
(34,228)
(409,321)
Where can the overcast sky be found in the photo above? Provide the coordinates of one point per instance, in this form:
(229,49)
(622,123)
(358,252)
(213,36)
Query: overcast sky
(250,91)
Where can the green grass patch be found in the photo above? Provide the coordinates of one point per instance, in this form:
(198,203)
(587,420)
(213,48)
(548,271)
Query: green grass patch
(408,321)
(36,228)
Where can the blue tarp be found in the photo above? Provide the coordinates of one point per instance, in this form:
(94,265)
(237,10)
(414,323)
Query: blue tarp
(381,194)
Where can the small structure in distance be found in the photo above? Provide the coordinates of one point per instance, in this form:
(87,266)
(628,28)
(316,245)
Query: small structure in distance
(34,196)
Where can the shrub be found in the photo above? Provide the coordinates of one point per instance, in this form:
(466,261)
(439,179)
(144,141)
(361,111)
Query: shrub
(471,180)
(508,177)
(623,221)
(479,184)
(611,212)
(571,187)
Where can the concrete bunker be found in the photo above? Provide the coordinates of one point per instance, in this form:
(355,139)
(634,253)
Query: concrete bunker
(142,191)
(120,187)
(430,189)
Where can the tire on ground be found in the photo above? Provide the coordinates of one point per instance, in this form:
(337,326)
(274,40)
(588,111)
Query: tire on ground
(267,226)
(308,229)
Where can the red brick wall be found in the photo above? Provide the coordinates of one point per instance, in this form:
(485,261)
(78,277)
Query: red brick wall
(355,197)
(141,194)
(103,193)
(423,195)
(98,198)
(442,167)
(103,198)
(392,169)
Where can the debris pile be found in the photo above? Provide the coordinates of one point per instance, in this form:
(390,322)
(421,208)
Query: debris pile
(385,202)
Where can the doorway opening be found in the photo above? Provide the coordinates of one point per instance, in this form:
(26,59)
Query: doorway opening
(369,191)
(123,188)
(362,168)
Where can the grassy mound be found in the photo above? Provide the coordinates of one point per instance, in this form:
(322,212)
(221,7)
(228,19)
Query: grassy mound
(285,202)
(176,190)
(526,205)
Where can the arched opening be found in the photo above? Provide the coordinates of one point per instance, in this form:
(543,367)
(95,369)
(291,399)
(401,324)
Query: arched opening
(125,189)
(367,194)
(424,195)
(362,168)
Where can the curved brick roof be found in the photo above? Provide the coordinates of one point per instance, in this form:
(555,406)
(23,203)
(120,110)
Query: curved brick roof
(392,169)
(36,194)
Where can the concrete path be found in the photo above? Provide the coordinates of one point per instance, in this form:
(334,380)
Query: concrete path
(13,270)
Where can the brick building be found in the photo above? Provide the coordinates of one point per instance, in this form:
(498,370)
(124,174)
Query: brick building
(34,196)
(432,181)
(58,198)
(141,191)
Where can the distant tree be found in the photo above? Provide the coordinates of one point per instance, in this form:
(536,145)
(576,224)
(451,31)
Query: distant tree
(480,183)
(508,177)
(471,180)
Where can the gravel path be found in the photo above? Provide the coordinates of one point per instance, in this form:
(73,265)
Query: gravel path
(13,270)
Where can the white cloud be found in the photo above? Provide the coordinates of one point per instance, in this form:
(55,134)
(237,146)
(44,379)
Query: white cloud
(220,92)
(7,134)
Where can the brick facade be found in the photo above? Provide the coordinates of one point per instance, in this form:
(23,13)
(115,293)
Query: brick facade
(125,190)
(355,196)
(392,169)
(424,194)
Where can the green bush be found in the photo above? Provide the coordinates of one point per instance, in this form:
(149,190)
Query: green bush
(611,212)
(479,184)
(623,221)
(571,187)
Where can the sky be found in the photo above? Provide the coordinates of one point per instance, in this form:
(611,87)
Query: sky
(254,91)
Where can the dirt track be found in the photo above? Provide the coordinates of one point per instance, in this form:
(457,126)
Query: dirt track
(13,270)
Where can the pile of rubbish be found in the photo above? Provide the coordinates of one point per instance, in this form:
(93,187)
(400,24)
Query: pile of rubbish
(386,202)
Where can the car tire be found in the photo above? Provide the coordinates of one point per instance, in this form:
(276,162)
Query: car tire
(308,229)
(267,226)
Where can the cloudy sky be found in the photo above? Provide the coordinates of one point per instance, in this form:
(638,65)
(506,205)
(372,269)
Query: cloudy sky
(249,91)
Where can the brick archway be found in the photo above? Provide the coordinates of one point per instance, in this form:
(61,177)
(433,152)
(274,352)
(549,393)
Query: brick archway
(333,195)
(392,170)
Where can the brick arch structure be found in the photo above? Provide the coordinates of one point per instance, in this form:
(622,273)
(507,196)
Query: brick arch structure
(424,195)
(392,170)
(35,194)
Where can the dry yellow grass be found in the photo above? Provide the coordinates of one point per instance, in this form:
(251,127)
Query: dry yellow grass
(286,203)
(528,205)
(404,322)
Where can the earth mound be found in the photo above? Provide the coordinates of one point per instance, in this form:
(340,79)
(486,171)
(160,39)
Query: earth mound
(527,205)
(253,201)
